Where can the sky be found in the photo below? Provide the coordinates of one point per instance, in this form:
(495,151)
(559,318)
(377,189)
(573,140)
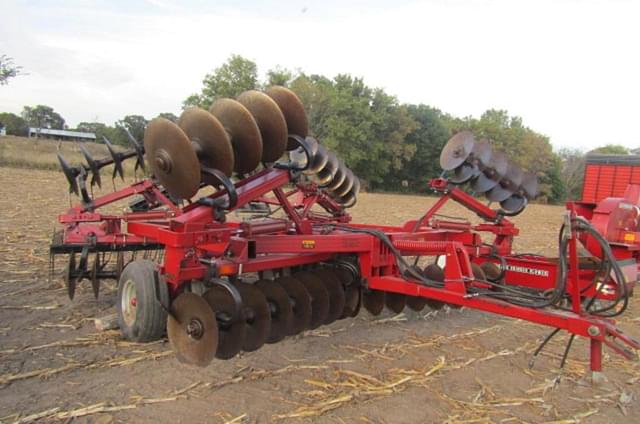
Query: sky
(569,68)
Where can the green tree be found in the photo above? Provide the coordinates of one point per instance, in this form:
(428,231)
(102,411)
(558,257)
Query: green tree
(135,124)
(229,80)
(572,172)
(14,124)
(42,116)
(279,76)
(611,149)
(8,69)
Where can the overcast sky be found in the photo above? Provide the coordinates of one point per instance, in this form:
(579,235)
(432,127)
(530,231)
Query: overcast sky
(569,68)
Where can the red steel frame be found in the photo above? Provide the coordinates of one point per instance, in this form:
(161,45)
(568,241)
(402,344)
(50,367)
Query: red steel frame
(197,247)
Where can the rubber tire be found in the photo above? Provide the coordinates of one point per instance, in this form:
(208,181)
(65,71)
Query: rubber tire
(151,319)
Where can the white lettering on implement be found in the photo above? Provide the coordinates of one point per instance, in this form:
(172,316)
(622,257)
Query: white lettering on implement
(529,271)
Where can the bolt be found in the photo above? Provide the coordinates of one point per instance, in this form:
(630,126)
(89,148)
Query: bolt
(134,302)
(593,331)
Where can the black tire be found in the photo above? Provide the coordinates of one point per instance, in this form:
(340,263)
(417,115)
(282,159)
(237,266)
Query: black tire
(143,320)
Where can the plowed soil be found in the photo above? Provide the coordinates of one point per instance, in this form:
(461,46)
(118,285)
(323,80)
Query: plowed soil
(451,366)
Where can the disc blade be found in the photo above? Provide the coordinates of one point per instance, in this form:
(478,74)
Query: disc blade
(319,298)
(494,274)
(193,333)
(293,111)
(346,185)
(463,173)
(482,183)
(171,157)
(299,157)
(498,193)
(207,132)
(257,315)
(300,301)
(339,178)
(326,174)
(499,165)
(514,204)
(457,150)
(70,276)
(352,292)
(373,301)
(478,273)
(513,178)
(271,122)
(318,161)
(231,323)
(337,298)
(482,153)
(280,308)
(243,132)
(395,302)
(435,273)
(530,185)
(416,303)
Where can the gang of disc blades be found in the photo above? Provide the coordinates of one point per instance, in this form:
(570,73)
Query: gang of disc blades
(171,157)
(257,316)
(373,301)
(318,161)
(463,173)
(482,153)
(192,330)
(293,111)
(337,297)
(231,325)
(514,203)
(482,183)
(300,300)
(271,122)
(530,185)
(319,298)
(280,307)
(243,132)
(326,174)
(434,273)
(339,178)
(498,193)
(214,146)
(457,150)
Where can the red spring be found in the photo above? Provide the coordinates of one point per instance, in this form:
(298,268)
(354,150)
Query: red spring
(426,247)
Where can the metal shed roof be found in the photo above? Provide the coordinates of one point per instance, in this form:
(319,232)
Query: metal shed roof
(62,133)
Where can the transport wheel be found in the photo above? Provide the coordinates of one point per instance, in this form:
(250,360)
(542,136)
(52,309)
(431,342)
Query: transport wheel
(336,293)
(140,316)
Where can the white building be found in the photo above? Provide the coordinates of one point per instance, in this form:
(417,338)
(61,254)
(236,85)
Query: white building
(61,134)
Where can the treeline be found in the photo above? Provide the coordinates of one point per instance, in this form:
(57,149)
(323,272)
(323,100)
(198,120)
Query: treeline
(391,146)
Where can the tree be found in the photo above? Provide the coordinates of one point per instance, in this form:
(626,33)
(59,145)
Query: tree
(135,124)
(611,149)
(279,76)
(168,115)
(14,124)
(229,80)
(572,172)
(42,116)
(8,69)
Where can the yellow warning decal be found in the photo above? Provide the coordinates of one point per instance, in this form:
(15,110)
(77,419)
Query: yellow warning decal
(630,237)
(308,244)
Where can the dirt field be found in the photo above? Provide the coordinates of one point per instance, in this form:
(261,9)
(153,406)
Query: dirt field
(457,366)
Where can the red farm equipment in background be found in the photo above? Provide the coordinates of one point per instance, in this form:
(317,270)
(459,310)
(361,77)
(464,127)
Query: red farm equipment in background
(297,261)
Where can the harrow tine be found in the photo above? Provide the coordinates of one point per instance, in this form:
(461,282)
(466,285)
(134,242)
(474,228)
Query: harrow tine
(117,159)
(95,281)
(70,173)
(138,148)
(93,166)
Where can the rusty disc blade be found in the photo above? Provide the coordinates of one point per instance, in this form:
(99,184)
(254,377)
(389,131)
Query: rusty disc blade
(337,297)
(514,204)
(319,298)
(482,183)
(339,178)
(478,273)
(270,120)
(457,150)
(463,173)
(243,132)
(498,193)
(434,273)
(346,185)
(171,157)
(530,185)
(319,160)
(280,307)
(494,274)
(395,302)
(293,111)
(203,129)
(257,316)
(482,153)
(373,301)
(326,174)
(231,325)
(193,333)
(300,300)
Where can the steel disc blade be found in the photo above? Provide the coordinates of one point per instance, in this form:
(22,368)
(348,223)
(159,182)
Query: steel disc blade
(293,111)
(300,300)
(271,122)
(280,307)
(482,153)
(530,185)
(337,297)
(207,132)
(243,132)
(478,273)
(373,301)
(69,276)
(457,150)
(499,165)
(395,302)
(463,173)
(319,298)
(299,157)
(348,200)
(326,174)
(319,160)
(171,157)
(339,178)
(498,193)
(231,324)
(482,183)
(494,274)
(346,185)
(416,303)
(514,204)
(257,315)
(193,333)
(352,292)
(513,178)
(434,273)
